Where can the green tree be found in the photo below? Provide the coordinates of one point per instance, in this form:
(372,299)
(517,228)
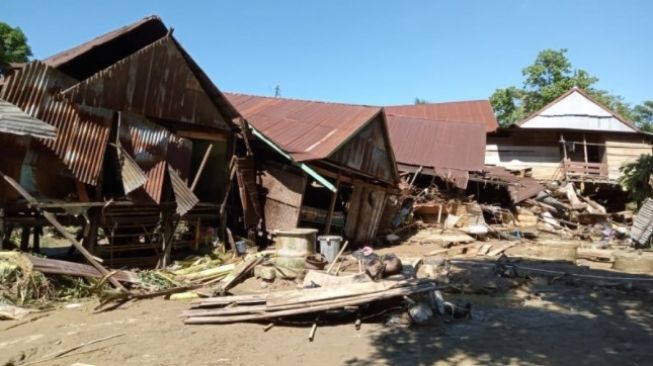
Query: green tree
(13,46)
(550,76)
(643,115)
(636,177)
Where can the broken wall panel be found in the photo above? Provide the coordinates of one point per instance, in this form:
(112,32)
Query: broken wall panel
(369,152)
(156,82)
(284,191)
(82,135)
(366,207)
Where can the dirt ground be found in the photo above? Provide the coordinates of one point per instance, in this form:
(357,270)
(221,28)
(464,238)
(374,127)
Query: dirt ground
(523,321)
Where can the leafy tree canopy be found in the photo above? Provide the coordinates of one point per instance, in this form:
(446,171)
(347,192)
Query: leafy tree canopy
(13,46)
(636,178)
(550,76)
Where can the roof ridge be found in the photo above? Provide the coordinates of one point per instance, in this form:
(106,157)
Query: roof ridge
(305,100)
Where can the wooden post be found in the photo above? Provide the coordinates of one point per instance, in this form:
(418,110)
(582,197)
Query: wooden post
(332,206)
(585,149)
(564,146)
(24,238)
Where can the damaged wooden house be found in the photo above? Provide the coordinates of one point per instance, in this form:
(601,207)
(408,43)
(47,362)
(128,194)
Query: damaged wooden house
(326,166)
(574,138)
(143,142)
(445,142)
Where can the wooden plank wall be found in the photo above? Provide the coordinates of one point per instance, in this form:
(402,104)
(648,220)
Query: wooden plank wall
(623,149)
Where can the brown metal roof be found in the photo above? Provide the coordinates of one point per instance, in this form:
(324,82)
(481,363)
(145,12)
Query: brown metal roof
(90,57)
(307,130)
(157,82)
(473,111)
(436,144)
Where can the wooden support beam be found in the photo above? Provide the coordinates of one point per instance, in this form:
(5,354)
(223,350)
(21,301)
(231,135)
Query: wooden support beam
(57,225)
(201,167)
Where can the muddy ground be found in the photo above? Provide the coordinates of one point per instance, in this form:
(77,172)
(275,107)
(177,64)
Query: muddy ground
(552,320)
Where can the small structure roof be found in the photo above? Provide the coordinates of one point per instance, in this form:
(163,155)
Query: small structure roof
(306,130)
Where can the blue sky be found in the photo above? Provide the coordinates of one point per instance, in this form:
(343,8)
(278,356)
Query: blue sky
(371,51)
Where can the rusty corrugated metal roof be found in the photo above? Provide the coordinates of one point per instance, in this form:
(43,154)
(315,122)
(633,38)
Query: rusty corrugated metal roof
(16,122)
(473,111)
(89,58)
(452,149)
(307,130)
(99,53)
(82,134)
(155,82)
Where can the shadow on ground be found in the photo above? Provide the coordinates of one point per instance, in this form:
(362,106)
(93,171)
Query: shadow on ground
(547,321)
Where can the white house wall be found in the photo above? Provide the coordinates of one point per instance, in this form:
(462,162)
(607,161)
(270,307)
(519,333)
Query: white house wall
(577,112)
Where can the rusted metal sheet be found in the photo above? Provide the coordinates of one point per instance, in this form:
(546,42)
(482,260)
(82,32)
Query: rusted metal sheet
(184,197)
(82,135)
(643,224)
(452,149)
(16,122)
(369,152)
(472,111)
(132,175)
(519,188)
(155,82)
(147,144)
(306,130)
(283,192)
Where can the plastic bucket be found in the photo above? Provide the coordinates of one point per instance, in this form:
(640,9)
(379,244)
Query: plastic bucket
(329,246)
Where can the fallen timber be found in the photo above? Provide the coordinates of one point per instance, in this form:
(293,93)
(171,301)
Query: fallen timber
(259,307)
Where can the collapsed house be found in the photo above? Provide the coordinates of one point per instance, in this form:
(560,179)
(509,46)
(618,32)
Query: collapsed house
(573,138)
(326,166)
(445,140)
(144,140)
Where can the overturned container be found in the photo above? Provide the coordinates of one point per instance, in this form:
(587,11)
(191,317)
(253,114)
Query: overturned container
(330,246)
(293,246)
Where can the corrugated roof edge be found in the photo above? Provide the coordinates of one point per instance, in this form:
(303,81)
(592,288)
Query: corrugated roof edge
(218,98)
(65,56)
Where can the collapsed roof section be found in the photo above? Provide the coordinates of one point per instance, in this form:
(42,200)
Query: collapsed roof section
(351,136)
(449,150)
